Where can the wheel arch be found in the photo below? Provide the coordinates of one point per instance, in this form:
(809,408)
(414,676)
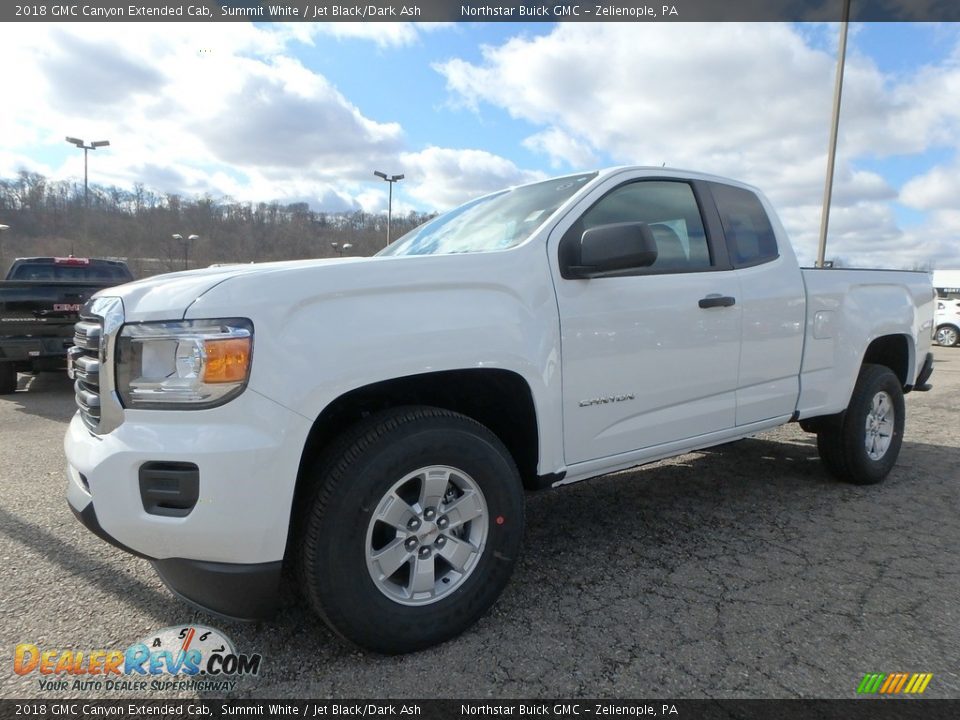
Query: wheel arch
(501,400)
(895,352)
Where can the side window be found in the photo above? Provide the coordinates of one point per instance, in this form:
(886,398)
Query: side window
(750,237)
(669,208)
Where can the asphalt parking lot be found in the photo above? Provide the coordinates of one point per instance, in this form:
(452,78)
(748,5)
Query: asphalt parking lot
(743,571)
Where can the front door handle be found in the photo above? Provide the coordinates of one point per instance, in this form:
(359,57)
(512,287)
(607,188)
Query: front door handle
(717,301)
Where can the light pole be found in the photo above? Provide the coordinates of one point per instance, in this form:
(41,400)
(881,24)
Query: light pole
(186,246)
(391,179)
(86,190)
(341,249)
(834,126)
(3,228)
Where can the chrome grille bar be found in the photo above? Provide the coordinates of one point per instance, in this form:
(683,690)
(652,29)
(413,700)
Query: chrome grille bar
(86,335)
(87,370)
(84,365)
(89,364)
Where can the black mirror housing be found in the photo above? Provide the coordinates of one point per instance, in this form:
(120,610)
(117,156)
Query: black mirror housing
(611,248)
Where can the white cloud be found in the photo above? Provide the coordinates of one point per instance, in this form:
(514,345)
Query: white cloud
(938,189)
(443,177)
(285,116)
(561,148)
(750,101)
(191,111)
(937,242)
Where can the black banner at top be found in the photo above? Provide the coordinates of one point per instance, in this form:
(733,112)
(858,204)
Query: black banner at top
(481,11)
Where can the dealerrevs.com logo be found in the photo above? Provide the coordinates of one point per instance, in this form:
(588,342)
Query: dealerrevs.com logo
(182,657)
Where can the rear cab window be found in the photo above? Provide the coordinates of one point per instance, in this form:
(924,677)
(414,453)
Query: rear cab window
(53,271)
(746,226)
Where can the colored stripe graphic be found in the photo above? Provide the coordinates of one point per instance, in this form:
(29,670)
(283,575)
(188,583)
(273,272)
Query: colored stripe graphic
(894,683)
(927,677)
(903,679)
(871,682)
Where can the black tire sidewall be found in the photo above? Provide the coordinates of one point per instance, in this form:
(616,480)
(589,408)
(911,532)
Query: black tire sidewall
(351,601)
(860,466)
(8,378)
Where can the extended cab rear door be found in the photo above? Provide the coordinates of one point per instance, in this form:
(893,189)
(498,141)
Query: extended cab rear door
(773,302)
(651,357)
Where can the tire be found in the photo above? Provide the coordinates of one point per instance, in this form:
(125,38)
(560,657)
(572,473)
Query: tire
(861,444)
(810,425)
(8,378)
(947,335)
(369,488)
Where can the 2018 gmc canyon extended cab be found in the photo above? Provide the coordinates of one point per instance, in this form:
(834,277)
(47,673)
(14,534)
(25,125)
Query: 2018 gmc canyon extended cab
(40,302)
(373,422)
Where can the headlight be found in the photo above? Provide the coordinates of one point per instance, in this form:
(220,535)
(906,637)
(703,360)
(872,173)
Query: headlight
(185,365)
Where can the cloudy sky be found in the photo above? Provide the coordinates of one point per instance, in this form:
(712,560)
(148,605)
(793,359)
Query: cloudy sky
(307,112)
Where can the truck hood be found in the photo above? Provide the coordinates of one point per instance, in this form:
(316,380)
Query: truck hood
(167,297)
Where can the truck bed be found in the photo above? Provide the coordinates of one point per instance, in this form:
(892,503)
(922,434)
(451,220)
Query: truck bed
(846,310)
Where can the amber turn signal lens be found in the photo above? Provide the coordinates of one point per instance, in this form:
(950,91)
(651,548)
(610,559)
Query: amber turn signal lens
(227,360)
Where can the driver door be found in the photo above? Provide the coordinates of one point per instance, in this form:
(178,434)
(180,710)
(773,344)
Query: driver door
(651,357)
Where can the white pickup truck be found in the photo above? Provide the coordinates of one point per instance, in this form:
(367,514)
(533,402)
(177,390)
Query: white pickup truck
(373,423)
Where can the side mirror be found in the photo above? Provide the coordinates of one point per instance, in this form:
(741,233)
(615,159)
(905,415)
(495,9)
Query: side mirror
(609,248)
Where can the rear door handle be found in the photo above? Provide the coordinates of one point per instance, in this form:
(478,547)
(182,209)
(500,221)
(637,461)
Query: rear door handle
(717,301)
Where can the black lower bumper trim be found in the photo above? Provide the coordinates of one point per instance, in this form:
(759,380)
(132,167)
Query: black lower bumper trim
(231,590)
(234,591)
(88,518)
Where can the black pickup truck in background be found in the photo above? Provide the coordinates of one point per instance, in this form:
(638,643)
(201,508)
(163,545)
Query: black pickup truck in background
(40,301)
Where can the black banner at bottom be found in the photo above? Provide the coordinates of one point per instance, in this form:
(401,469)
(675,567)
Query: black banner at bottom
(856,709)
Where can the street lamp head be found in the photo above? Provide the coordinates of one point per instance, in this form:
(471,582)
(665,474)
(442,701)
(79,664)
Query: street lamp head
(100,143)
(193,237)
(397,177)
(75,141)
(177,236)
(347,246)
(375,172)
(4,227)
(334,245)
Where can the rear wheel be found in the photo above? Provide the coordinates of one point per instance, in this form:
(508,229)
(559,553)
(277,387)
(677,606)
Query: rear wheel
(413,530)
(947,335)
(862,444)
(8,378)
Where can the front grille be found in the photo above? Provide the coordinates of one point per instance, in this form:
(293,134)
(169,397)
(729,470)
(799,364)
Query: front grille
(84,360)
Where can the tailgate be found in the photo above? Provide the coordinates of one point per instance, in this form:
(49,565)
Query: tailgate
(42,309)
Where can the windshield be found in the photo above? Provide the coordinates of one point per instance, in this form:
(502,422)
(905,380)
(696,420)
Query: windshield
(495,222)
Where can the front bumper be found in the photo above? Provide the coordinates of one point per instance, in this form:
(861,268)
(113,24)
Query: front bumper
(225,554)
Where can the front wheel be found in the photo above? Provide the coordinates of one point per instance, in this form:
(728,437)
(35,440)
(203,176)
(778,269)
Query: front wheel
(947,335)
(861,445)
(413,531)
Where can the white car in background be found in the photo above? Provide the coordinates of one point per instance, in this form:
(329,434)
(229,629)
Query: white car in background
(947,322)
